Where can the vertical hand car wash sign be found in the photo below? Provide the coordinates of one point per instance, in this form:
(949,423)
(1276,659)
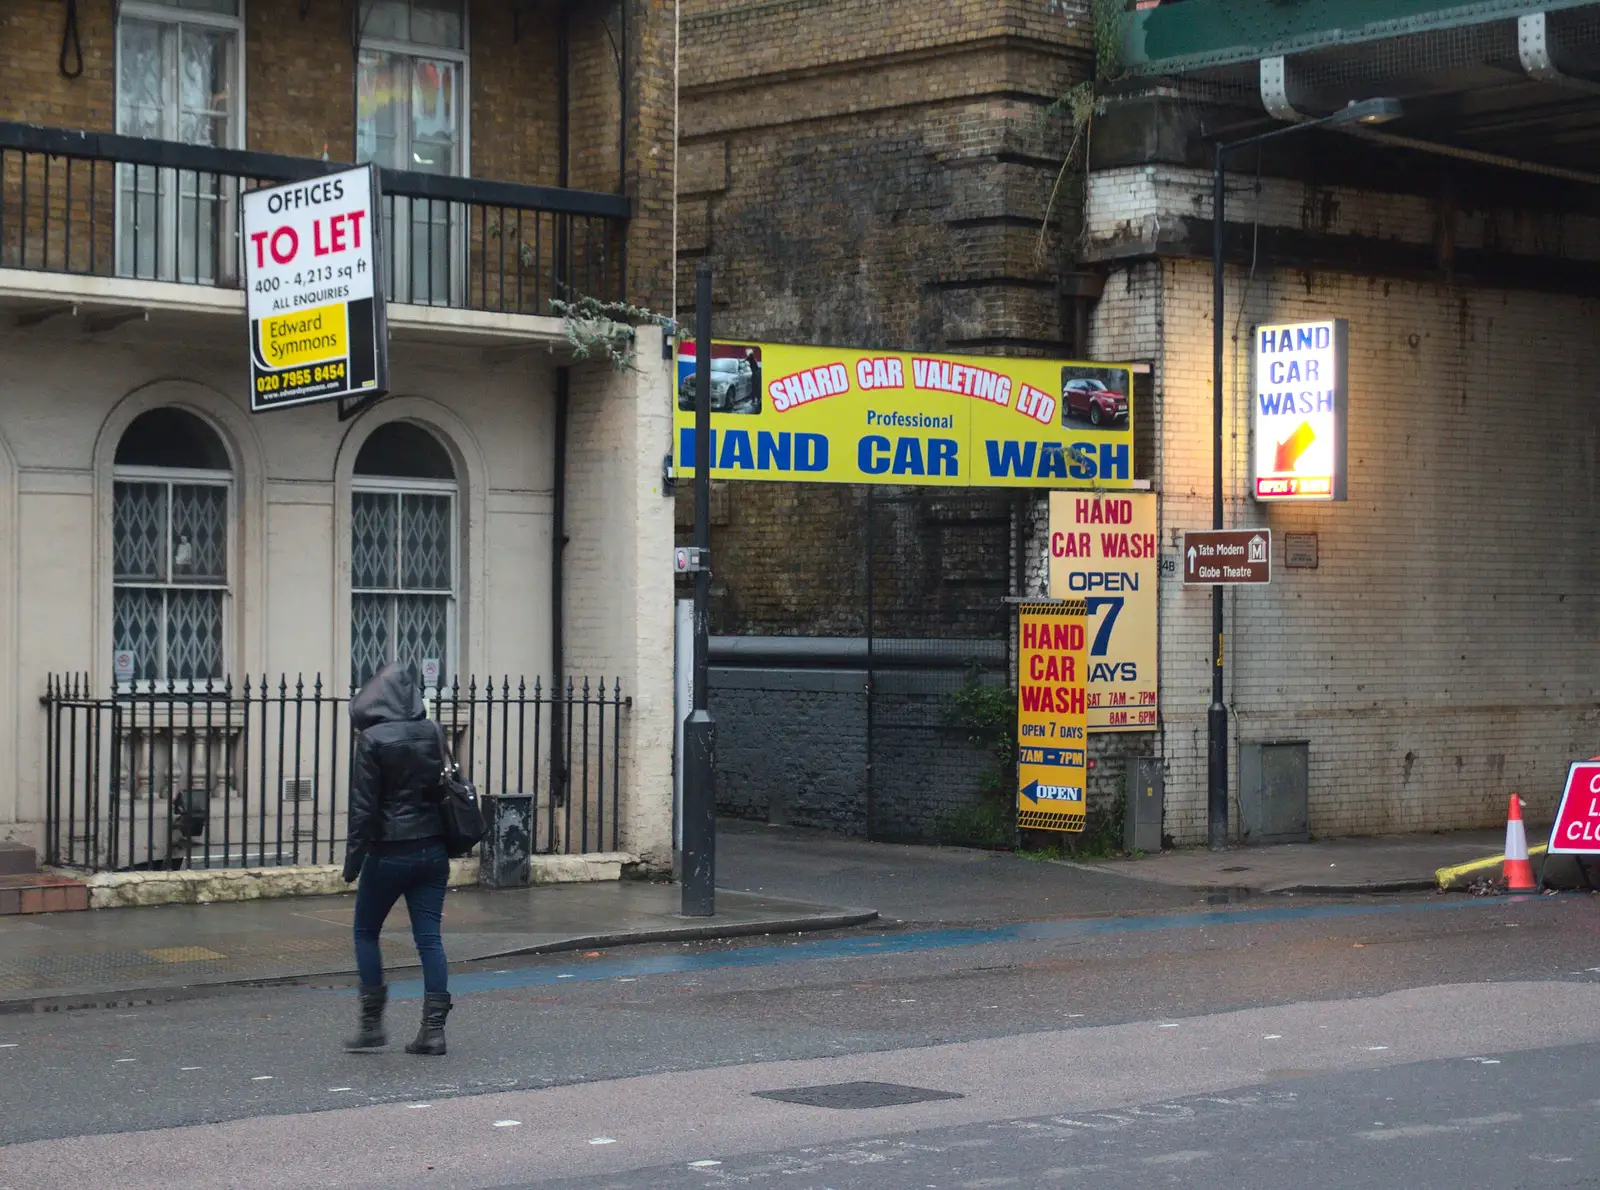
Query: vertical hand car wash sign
(313,290)
(1051,724)
(1299,415)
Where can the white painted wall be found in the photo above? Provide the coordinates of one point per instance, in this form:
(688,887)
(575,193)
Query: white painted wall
(65,397)
(1447,651)
(619,572)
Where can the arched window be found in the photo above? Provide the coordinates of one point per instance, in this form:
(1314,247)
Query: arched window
(171,555)
(403,554)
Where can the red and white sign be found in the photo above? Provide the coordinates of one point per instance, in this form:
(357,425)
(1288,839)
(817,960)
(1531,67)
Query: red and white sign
(1577,827)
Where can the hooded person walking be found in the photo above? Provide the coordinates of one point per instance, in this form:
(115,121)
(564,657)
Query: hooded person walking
(397,847)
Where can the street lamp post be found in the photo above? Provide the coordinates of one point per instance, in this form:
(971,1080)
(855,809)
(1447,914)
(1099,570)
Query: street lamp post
(1366,112)
(699,731)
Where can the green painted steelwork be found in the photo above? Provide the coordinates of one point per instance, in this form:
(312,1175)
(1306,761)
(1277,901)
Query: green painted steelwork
(1194,34)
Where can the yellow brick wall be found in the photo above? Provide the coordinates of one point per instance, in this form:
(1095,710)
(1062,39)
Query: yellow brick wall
(299,89)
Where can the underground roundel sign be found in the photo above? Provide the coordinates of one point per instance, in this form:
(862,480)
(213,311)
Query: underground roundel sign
(1577,827)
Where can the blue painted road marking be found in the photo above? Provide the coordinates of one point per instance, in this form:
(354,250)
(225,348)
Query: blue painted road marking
(858,946)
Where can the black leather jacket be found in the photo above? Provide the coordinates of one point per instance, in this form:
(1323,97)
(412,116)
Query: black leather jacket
(394,777)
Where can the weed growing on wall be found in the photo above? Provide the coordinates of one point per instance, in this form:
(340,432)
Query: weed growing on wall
(604,330)
(1080,104)
(986,712)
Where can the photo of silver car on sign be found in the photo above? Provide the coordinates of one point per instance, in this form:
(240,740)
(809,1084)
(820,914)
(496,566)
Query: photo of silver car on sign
(735,382)
(1096,395)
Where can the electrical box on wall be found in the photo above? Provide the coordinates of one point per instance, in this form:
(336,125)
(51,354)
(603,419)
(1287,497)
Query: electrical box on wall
(1274,791)
(1141,821)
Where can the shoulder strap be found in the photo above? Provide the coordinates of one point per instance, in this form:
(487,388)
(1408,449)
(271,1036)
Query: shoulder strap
(444,746)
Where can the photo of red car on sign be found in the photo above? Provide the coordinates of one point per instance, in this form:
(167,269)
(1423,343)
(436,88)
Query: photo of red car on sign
(1095,395)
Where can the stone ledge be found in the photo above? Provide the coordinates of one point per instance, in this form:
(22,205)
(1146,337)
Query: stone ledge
(116,890)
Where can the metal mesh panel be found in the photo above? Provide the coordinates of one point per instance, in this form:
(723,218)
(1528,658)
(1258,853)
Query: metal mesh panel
(421,624)
(136,625)
(940,569)
(199,533)
(425,542)
(194,634)
(373,537)
(139,538)
(369,636)
(1401,65)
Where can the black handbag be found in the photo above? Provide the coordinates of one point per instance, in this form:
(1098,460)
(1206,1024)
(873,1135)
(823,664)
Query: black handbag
(458,805)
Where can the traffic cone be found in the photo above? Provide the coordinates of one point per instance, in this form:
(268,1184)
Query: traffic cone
(1518,871)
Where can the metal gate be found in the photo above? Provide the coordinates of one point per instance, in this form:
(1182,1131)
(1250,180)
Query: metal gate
(939,567)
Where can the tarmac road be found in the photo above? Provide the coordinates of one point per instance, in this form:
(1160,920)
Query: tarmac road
(1257,1040)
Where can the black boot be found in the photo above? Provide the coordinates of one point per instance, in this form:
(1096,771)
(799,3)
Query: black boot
(430,1038)
(371,1035)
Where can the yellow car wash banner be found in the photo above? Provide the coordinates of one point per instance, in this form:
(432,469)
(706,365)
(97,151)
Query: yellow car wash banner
(1052,718)
(831,415)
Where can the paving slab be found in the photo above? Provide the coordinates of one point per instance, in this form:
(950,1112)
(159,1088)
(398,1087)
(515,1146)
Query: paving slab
(68,959)
(1381,863)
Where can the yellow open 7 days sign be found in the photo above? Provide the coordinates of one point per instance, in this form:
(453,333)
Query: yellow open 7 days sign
(1103,550)
(834,415)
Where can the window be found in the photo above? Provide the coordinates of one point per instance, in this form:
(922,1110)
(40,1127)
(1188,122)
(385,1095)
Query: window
(178,78)
(411,115)
(170,550)
(402,552)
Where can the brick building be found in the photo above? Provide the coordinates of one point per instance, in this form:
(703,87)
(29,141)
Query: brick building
(871,175)
(875,175)
(499,519)
(1441,655)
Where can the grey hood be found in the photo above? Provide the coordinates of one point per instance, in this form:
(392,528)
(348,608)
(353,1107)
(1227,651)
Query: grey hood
(390,696)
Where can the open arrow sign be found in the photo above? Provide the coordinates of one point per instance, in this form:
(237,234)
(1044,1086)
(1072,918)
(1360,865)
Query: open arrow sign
(1295,445)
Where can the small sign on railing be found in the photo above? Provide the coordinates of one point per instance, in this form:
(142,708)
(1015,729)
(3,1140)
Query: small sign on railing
(318,328)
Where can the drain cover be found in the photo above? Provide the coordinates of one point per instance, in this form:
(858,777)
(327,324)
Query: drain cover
(857,1095)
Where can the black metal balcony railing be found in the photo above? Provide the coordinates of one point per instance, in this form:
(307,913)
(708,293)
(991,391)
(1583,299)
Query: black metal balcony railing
(100,204)
(258,776)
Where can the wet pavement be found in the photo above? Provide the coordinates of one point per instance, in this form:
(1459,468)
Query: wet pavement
(81,956)
(1380,863)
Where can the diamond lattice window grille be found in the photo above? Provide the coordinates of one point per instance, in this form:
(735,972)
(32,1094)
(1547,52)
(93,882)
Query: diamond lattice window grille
(425,542)
(374,540)
(170,537)
(402,568)
(199,533)
(139,535)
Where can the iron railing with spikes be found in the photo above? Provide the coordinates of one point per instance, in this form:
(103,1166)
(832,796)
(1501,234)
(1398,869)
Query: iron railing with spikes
(210,775)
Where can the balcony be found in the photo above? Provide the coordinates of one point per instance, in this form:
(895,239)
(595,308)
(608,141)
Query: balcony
(105,216)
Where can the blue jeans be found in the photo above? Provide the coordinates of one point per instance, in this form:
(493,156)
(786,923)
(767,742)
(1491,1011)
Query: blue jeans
(421,877)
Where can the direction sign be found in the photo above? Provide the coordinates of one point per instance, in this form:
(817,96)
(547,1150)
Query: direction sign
(1577,826)
(1215,557)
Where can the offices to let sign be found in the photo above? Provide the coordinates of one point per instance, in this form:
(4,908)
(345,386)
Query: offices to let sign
(313,290)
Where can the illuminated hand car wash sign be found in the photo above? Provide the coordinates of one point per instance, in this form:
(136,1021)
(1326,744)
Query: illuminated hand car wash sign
(834,415)
(1299,410)
(317,325)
